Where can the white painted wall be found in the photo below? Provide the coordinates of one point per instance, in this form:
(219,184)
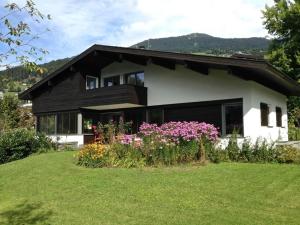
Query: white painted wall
(183,85)
(252,121)
(68,139)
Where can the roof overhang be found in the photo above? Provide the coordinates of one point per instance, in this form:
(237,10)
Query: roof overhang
(258,70)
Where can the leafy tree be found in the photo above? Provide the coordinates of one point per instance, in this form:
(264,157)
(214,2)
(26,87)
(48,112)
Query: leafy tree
(12,115)
(26,117)
(282,20)
(17,36)
(9,114)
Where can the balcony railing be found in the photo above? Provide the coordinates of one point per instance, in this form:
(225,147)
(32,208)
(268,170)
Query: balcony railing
(119,94)
(71,99)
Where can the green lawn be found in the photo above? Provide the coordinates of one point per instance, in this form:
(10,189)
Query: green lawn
(50,189)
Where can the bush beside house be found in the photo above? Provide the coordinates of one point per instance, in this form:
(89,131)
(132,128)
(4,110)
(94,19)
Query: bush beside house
(19,143)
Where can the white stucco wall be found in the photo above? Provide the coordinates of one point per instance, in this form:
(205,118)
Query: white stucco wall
(183,85)
(68,139)
(261,94)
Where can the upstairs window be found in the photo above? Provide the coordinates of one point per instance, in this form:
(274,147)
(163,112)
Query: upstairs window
(135,78)
(278,117)
(264,114)
(111,81)
(91,82)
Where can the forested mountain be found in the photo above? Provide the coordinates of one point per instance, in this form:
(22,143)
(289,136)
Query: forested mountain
(206,44)
(17,79)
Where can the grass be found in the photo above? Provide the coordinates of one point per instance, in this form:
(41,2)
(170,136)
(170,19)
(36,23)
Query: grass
(50,189)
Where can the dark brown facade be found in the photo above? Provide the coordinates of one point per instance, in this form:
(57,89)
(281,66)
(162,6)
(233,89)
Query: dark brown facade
(69,93)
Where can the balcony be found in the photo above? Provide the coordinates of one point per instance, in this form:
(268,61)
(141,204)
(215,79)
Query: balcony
(105,98)
(121,96)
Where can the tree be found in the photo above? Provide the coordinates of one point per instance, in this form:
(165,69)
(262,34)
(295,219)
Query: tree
(9,114)
(12,115)
(17,36)
(282,20)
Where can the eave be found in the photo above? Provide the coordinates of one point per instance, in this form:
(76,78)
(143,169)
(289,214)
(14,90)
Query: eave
(249,69)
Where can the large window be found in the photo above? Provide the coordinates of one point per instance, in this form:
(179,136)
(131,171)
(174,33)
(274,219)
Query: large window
(91,82)
(278,117)
(233,118)
(67,123)
(111,81)
(264,114)
(156,116)
(135,78)
(46,124)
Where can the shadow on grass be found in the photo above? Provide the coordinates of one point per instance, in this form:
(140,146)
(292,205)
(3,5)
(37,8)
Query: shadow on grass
(25,213)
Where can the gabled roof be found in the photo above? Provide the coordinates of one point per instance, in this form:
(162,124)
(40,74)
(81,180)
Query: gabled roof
(247,68)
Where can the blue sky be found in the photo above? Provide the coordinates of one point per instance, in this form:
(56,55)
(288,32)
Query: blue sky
(78,24)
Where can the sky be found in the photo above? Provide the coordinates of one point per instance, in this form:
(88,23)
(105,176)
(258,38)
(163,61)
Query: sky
(78,24)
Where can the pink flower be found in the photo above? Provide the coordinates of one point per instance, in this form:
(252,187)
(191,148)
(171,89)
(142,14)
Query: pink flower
(186,131)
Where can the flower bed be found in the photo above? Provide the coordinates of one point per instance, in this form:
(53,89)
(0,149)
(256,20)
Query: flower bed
(168,144)
(180,142)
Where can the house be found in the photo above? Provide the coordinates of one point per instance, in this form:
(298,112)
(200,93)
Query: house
(239,93)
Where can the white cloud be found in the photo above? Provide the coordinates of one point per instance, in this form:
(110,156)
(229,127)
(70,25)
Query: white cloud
(77,24)
(231,18)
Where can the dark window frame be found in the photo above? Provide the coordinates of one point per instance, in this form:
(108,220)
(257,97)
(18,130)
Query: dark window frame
(278,111)
(264,114)
(126,75)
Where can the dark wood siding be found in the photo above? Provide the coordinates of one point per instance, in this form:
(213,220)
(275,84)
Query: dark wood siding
(69,94)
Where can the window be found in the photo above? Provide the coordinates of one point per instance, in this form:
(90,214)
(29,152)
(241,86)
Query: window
(67,123)
(278,117)
(264,114)
(46,124)
(87,125)
(135,78)
(111,81)
(156,116)
(91,82)
(232,118)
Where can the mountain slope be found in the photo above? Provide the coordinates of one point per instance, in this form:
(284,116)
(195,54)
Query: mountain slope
(18,79)
(204,43)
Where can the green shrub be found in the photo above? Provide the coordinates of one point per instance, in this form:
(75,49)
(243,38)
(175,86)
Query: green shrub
(20,143)
(214,154)
(119,155)
(264,152)
(246,153)
(233,148)
(294,132)
(188,151)
(288,154)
